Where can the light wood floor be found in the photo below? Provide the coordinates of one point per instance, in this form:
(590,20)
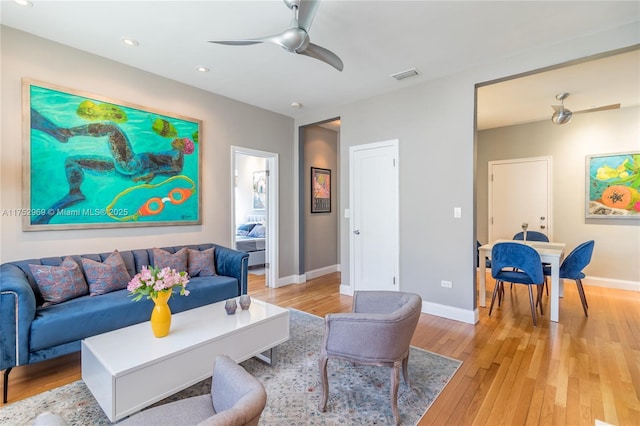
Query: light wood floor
(569,373)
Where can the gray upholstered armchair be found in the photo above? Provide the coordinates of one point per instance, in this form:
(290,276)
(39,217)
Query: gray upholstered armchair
(377,332)
(237,398)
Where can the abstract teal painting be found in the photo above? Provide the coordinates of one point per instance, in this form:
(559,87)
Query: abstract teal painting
(613,186)
(92,162)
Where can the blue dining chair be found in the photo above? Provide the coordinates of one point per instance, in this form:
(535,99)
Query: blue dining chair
(520,264)
(572,266)
(532,236)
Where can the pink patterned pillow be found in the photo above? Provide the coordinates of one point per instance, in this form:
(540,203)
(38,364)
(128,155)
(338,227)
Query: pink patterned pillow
(59,283)
(107,276)
(201,263)
(177,260)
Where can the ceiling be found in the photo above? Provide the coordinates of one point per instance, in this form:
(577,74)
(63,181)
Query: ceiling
(373,38)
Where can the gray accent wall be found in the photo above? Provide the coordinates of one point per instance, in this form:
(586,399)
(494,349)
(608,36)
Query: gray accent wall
(226,123)
(320,229)
(617,248)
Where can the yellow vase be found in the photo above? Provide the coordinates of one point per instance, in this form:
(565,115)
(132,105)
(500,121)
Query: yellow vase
(161,314)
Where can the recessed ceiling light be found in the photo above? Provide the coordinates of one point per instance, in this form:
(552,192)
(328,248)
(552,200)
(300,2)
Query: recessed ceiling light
(296,105)
(202,69)
(24,3)
(129,41)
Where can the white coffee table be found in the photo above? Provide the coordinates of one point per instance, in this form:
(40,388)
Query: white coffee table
(129,369)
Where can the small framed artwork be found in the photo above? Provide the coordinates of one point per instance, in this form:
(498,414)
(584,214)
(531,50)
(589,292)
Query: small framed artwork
(96,162)
(613,186)
(259,190)
(320,190)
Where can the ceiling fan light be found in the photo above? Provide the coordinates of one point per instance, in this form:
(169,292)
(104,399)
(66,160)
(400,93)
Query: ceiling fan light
(561,117)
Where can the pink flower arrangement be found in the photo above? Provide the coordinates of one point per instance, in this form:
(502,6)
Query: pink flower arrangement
(149,281)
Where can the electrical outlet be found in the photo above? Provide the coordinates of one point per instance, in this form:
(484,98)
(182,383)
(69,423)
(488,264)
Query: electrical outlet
(446,284)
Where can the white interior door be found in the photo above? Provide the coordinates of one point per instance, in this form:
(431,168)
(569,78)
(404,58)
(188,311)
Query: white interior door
(519,192)
(374,216)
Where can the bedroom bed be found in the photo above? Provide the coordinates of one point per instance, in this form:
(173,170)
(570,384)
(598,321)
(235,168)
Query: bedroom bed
(250,238)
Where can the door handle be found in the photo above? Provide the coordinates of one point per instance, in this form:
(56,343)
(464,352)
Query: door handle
(357,232)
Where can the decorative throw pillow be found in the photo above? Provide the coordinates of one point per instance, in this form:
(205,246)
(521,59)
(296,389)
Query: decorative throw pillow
(257,232)
(177,260)
(107,276)
(244,229)
(59,283)
(201,263)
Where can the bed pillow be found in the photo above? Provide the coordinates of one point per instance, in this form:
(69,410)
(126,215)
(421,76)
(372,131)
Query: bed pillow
(107,276)
(244,229)
(177,260)
(59,283)
(257,232)
(201,263)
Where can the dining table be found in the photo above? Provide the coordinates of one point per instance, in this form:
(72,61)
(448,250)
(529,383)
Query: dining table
(551,253)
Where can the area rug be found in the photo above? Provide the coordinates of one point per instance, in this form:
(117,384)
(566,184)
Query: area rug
(358,395)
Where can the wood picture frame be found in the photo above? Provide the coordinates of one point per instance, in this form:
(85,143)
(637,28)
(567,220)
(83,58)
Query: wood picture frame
(96,162)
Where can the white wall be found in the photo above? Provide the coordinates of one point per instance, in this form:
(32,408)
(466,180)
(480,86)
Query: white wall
(617,248)
(224,124)
(246,165)
(435,124)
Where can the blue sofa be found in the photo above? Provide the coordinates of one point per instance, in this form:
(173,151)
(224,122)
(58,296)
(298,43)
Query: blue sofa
(30,333)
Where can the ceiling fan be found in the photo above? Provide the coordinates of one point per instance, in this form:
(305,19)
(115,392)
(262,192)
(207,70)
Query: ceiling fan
(562,115)
(296,38)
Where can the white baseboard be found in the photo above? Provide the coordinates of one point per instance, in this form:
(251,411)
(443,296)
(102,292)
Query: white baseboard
(346,290)
(291,279)
(610,283)
(450,312)
(303,278)
(322,271)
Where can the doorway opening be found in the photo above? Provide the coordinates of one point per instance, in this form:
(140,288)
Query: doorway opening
(319,229)
(254,224)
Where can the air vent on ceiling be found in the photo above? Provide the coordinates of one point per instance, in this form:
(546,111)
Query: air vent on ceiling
(405,74)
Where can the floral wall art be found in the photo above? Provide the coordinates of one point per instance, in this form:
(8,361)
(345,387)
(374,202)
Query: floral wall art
(92,162)
(613,186)
(320,190)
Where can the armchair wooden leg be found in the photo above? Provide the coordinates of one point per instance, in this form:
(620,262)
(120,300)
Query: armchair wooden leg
(324,382)
(405,370)
(395,381)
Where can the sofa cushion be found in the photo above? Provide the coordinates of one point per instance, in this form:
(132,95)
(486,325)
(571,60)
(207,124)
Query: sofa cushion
(59,283)
(107,276)
(87,316)
(201,263)
(177,260)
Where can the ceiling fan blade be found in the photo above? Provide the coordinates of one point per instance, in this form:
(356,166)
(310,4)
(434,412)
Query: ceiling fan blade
(557,108)
(324,55)
(283,40)
(237,42)
(306,13)
(600,108)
